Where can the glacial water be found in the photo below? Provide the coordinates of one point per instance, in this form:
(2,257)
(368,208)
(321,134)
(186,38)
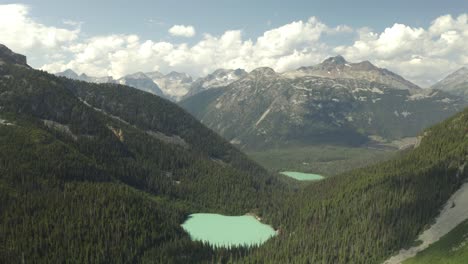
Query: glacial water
(303,176)
(227,231)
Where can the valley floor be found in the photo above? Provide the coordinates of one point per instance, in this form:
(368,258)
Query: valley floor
(325,160)
(454,213)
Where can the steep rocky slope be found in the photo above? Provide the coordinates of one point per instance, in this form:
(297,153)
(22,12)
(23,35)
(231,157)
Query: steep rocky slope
(455,83)
(267,109)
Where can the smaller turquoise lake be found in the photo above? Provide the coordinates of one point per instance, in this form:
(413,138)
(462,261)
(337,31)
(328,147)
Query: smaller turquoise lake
(303,176)
(227,231)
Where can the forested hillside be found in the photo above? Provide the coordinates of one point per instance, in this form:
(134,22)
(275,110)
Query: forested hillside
(106,172)
(368,214)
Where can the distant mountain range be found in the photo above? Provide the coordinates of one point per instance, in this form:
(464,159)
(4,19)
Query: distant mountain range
(332,102)
(141,81)
(83,77)
(335,101)
(105,173)
(218,78)
(338,67)
(177,86)
(173,86)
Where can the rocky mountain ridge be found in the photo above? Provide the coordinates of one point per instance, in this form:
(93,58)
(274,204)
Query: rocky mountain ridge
(268,109)
(10,57)
(455,83)
(338,67)
(173,86)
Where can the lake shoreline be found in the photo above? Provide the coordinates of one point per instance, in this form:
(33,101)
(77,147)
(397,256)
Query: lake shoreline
(228,231)
(301,176)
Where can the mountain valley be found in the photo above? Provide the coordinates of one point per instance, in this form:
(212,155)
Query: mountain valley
(94,170)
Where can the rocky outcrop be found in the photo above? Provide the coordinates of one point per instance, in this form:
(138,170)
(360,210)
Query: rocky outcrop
(8,56)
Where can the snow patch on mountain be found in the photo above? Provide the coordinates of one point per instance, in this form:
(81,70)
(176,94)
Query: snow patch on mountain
(174,84)
(263,116)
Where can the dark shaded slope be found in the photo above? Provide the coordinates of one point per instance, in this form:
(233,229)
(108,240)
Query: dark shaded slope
(198,104)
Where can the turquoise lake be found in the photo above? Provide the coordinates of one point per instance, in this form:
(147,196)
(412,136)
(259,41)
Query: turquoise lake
(303,176)
(227,231)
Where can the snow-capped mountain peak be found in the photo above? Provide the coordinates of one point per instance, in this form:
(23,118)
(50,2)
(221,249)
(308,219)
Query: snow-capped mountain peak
(219,78)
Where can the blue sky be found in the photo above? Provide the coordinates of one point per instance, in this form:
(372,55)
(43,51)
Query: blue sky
(422,40)
(150,19)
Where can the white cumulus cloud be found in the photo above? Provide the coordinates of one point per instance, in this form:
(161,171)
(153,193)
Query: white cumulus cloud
(22,34)
(421,54)
(182,31)
(283,48)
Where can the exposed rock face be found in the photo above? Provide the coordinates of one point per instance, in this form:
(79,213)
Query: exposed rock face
(174,85)
(8,56)
(137,80)
(118,133)
(455,83)
(267,109)
(60,127)
(68,73)
(338,67)
(218,78)
(141,81)
(85,78)
(453,213)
